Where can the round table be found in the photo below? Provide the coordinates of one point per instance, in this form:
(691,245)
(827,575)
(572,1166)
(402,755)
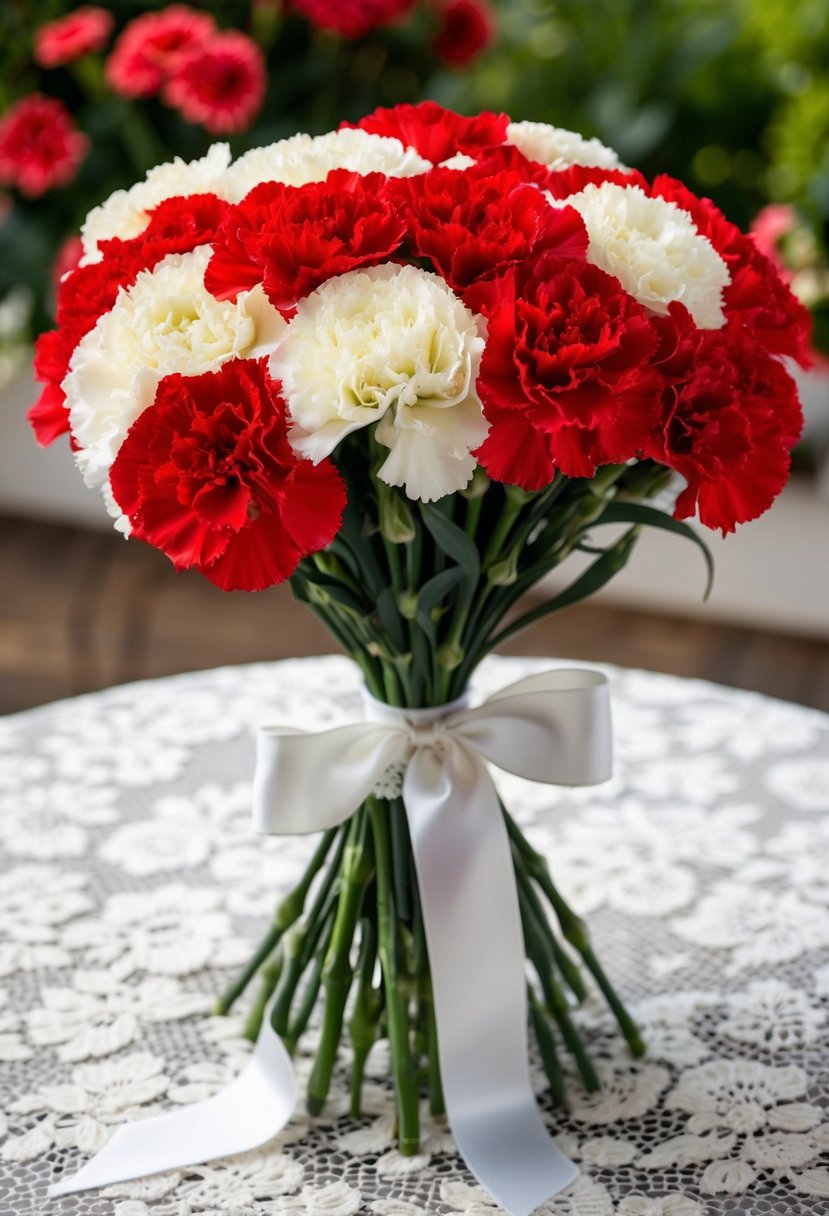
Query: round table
(131,887)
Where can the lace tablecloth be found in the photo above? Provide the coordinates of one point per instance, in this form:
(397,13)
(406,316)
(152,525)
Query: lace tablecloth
(131,886)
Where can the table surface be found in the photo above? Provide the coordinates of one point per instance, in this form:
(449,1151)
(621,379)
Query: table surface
(131,887)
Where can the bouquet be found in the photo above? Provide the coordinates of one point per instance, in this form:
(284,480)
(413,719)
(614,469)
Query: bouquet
(412,366)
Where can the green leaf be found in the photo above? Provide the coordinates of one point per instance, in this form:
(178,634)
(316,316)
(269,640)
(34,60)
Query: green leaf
(453,541)
(390,619)
(462,550)
(594,577)
(650,517)
(436,589)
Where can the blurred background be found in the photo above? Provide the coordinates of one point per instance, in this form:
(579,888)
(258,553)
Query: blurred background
(732,96)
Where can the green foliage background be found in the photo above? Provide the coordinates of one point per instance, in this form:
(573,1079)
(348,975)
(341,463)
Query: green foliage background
(732,96)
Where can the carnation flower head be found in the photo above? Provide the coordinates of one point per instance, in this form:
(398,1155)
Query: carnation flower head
(126,213)
(390,345)
(175,226)
(219,85)
(208,476)
(474,225)
(151,45)
(655,250)
(304,158)
(436,133)
(166,322)
(565,379)
(352,18)
(465,30)
(559,148)
(80,32)
(40,146)
(292,238)
(757,295)
(730,418)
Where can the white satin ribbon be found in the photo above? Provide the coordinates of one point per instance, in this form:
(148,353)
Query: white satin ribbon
(553,728)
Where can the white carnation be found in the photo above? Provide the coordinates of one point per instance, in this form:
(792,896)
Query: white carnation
(124,214)
(305,158)
(655,250)
(390,345)
(166,322)
(559,148)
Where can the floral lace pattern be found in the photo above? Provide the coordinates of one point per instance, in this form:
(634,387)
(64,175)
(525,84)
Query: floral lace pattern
(131,886)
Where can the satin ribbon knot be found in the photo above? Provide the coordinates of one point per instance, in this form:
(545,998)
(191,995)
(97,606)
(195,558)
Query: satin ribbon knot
(553,727)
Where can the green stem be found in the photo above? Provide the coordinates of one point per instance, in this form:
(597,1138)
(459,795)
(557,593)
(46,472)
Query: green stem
(310,991)
(403,1064)
(575,932)
(362,1026)
(337,973)
(401,850)
(270,975)
(437,1103)
(565,964)
(547,1047)
(556,1001)
(287,912)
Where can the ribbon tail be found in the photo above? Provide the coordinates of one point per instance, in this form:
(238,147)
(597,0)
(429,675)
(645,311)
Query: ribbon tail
(476,955)
(249,1112)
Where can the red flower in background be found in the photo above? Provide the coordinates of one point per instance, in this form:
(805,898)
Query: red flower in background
(208,476)
(466,29)
(219,85)
(565,376)
(474,226)
(79,33)
(177,225)
(730,419)
(151,45)
(435,133)
(352,18)
(40,146)
(291,238)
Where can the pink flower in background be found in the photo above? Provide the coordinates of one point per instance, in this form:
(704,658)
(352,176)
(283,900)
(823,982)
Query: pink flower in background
(466,29)
(219,85)
(66,258)
(79,33)
(769,228)
(151,46)
(40,146)
(352,18)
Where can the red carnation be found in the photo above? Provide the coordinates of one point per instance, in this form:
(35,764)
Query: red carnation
(48,417)
(178,225)
(730,419)
(352,18)
(79,33)
(565,377)
(465,30)
(757,294)
(291,238)
(563,182)
(40,146)
(208,476)
(151,45)
(435,133)
(221,85)
(473,226)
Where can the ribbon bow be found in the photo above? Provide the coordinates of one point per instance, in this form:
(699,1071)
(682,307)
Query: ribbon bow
(552,728)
